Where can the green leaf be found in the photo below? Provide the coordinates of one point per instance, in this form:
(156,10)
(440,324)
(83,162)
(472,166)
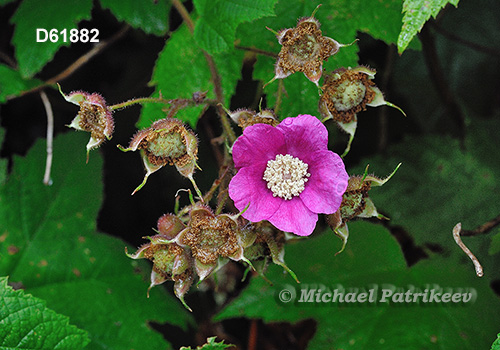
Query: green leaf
(12,84)
(372,261)
(416,13)
(211,344)
(26,323)
(496,344)
(49,244)
(50,14)
(438,184)
(215,31)
(181,70)
(495,244)
(340,20)
(150,16)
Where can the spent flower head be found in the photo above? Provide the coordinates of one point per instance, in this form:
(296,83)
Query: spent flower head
(304,48)
(356,203)
(263,241)
(94,116)
(346,92)
(287,175)
(166,142)
(171,262)
(212,240)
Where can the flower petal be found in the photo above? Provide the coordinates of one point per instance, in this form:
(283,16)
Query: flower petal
(280,72)
(293,216)
(258,144)
(282,33)
(304,134)
(328,182)
(314,74)
(247,186)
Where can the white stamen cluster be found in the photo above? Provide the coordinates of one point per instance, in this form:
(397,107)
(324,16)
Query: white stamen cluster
(286,176)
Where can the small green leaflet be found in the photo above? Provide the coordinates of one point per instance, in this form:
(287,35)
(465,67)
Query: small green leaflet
(416,13)
(211,344)
(27,323)
(496,344)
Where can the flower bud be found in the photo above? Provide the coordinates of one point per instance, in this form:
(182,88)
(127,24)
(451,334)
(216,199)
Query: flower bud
(170,225)
(94,116)
(166,142)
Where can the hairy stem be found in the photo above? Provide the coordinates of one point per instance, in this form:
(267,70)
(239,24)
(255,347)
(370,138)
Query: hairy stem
(138,100)
(226,125)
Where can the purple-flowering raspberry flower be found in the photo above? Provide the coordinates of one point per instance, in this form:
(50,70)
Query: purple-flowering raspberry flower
(287,175)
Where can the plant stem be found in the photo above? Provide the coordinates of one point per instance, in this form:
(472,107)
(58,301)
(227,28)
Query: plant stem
(383,125)
(138,100)
(279,97)
(456,235)
(78,63)
(184,14)
(439,79)
(480,48)
(257,51)
(50,136)
(482,229)
(226,125)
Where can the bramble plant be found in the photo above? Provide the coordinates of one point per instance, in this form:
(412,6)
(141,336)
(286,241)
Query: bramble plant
(261,124)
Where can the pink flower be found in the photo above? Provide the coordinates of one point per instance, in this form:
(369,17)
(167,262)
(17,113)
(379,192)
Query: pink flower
(287,175)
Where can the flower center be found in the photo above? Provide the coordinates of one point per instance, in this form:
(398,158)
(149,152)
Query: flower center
(286,176)
(305,48)
(349,94)
(168,144)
